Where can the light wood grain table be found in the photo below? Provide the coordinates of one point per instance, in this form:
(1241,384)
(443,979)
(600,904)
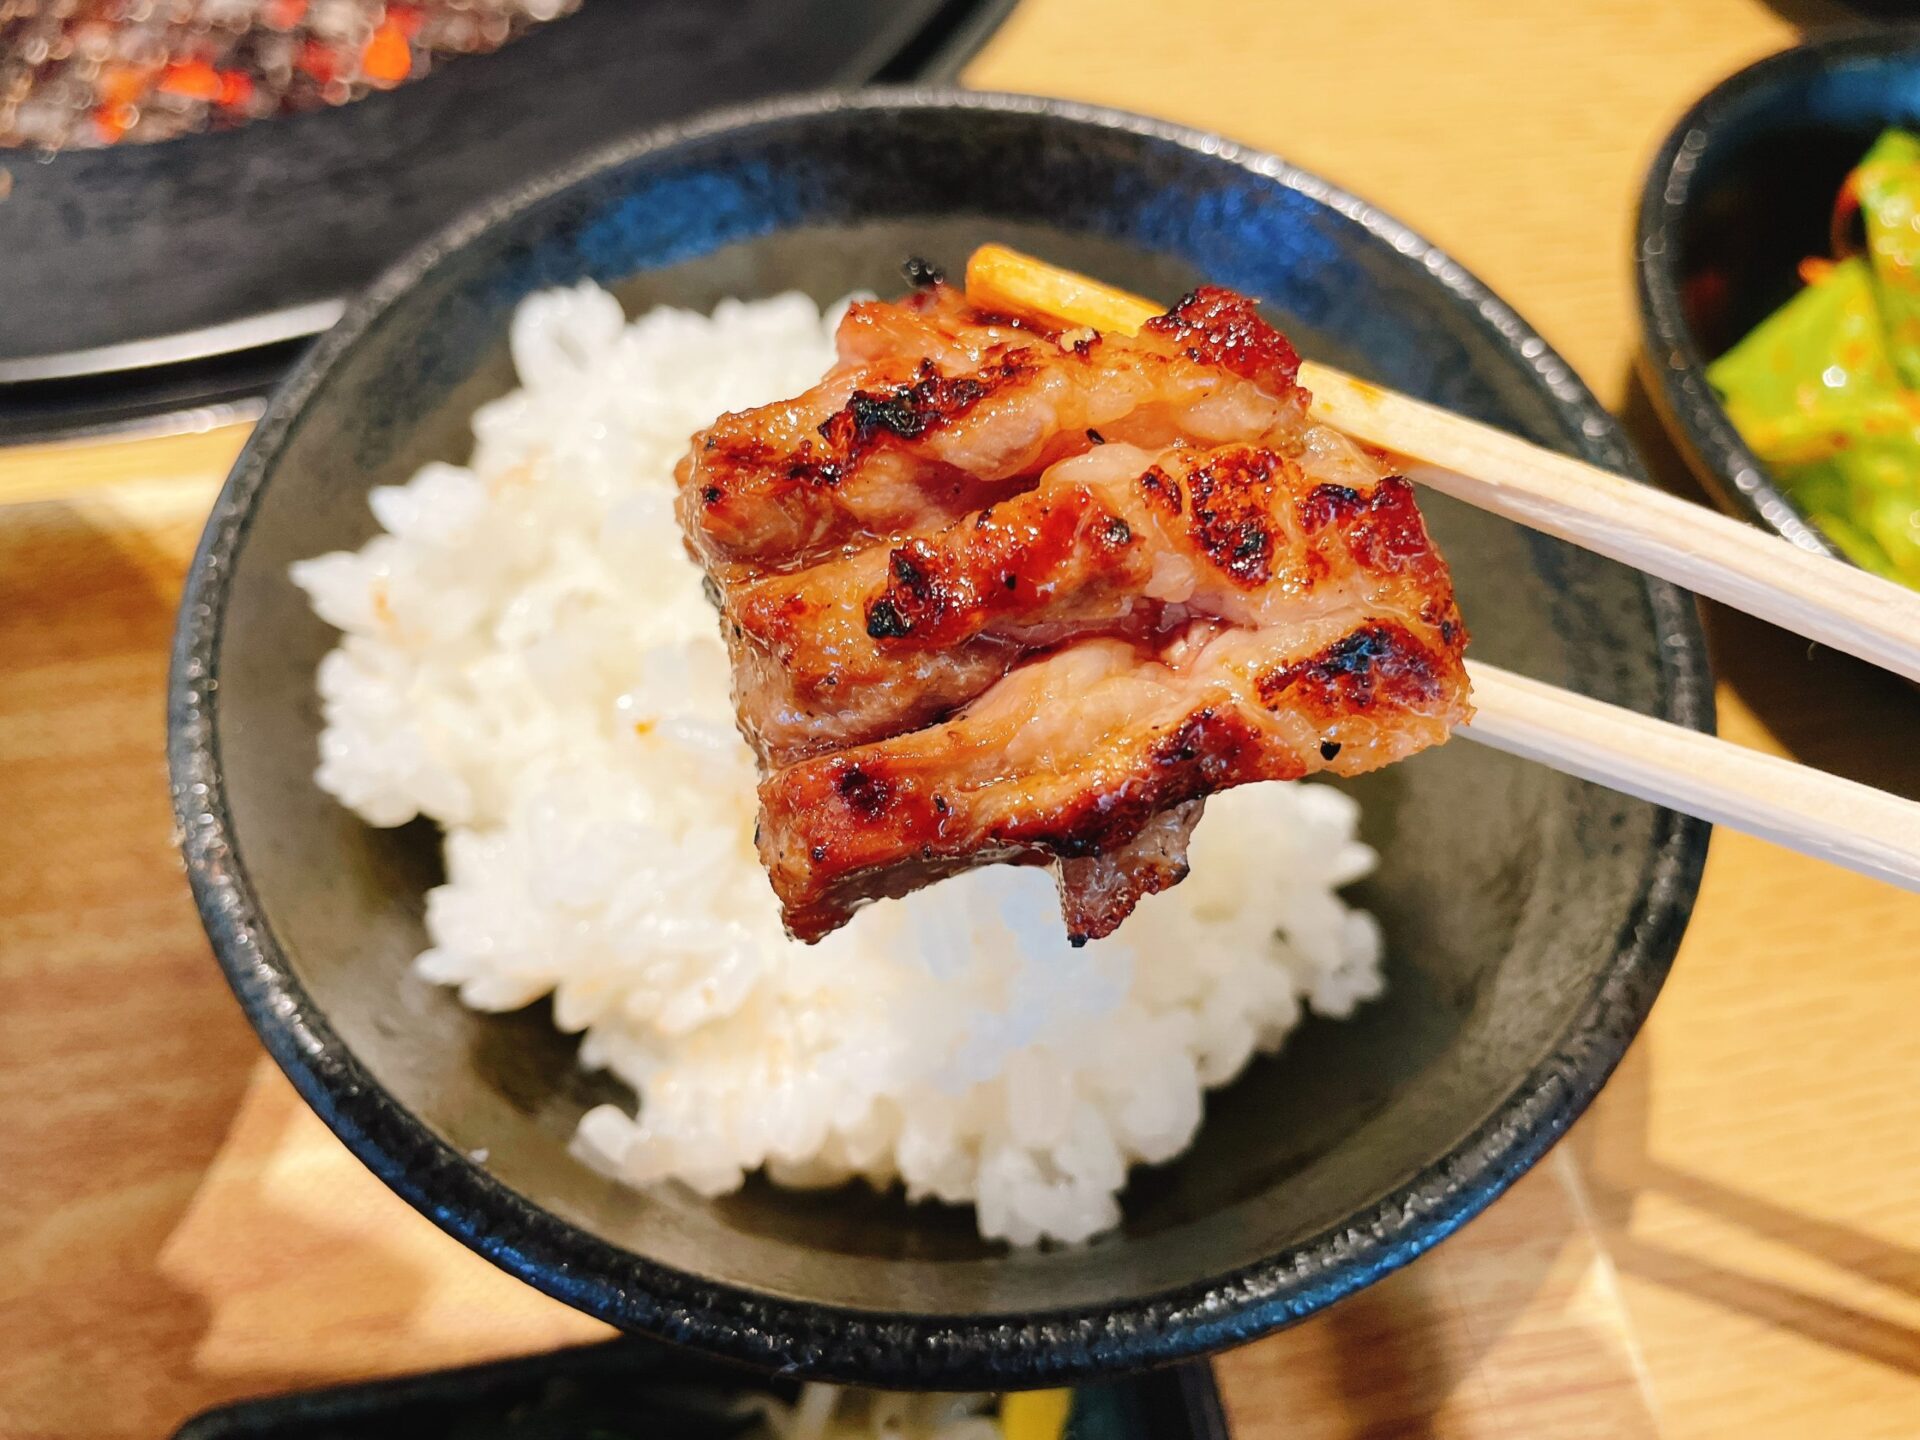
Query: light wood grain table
(1728,1244)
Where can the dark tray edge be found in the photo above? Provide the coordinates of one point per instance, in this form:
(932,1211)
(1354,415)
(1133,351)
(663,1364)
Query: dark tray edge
(1180,1402)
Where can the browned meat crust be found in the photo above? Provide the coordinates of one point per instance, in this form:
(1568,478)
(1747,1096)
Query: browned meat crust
(996,594)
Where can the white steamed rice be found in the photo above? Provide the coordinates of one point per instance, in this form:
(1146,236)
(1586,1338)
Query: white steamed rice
(529,660)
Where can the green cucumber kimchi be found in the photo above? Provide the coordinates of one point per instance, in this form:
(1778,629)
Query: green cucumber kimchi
(1826,390)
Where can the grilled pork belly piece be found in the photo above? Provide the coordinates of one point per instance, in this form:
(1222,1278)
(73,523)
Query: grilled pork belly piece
(1116,541)
(1074,754)
(892,441)
(999,594)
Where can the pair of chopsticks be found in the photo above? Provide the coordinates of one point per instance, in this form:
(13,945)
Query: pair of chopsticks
(1826,600)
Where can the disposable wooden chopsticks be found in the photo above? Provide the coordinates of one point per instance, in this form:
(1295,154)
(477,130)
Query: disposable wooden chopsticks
(1699,549)
(1741,566)
(1807,810)
(1826,600)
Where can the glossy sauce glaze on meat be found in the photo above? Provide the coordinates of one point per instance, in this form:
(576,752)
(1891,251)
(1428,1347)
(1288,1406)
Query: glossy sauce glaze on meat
(999,593)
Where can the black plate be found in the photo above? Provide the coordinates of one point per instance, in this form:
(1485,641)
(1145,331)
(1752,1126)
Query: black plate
(1743,188)
(1530,918)
(636,1390)
(141,280)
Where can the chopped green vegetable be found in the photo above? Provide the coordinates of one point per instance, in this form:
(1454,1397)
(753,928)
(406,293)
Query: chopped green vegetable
(1826,390)
(1888,185)
(1797,386)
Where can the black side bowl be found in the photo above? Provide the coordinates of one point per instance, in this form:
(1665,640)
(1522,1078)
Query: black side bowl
(1740,193)
(1530,918)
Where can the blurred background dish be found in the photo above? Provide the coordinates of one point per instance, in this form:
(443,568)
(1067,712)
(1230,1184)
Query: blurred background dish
(1529,918)
(112,72)
(636,1390)
(1741,193)
(145,281)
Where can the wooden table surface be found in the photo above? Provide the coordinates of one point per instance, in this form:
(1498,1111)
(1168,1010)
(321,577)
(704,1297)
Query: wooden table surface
(1728,1244)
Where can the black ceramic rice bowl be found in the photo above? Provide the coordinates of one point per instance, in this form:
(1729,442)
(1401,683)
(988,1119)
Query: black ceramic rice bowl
(1530,918)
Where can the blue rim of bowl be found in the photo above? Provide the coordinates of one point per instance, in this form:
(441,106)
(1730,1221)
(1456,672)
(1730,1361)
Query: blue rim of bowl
(1670,356)
(818,1341)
